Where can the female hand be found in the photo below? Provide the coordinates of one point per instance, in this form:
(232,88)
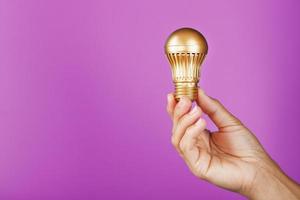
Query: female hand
(230,157)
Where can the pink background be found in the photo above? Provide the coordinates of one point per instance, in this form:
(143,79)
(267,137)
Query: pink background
(83,89)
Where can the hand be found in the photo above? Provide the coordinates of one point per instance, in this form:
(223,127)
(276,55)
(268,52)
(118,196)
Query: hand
(230,157)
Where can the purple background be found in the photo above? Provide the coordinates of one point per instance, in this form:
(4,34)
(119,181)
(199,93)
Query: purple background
(83,89)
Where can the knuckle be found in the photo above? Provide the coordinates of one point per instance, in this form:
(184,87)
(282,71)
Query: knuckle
(178,109)
(174,130)
(168,109)
(180,123)
(182,145)
(181,154)
(217,101)
(200,173)
(173,141)
(175,114)
(182,108)
(238,121)
(186,120)
(195,170)
(189,130)
(170,112)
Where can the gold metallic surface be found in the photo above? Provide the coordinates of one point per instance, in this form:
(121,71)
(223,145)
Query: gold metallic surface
(186,49)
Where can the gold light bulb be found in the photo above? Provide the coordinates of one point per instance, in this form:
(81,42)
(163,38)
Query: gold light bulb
(186,49)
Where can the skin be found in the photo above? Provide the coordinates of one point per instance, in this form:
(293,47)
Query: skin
(231,157)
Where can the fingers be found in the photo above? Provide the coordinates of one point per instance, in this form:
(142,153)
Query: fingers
(181,108)
(192,147)
(216,111)
(187,142)
(183,124)
(171,104)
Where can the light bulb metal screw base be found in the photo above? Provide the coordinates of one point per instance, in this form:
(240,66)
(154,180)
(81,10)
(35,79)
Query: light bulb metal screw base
(187,89)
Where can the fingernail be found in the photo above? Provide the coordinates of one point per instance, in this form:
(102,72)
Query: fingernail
(194,110)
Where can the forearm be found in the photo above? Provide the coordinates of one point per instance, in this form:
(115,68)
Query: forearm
(273,184)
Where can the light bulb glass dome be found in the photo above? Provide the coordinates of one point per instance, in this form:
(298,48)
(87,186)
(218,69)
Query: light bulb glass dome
(186,40)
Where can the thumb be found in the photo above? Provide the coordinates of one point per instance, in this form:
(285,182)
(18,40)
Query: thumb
(216,111)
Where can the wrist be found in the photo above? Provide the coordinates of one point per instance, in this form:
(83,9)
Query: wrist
(271,183)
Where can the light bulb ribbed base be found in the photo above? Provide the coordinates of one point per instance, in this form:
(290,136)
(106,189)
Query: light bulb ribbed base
(187,89)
